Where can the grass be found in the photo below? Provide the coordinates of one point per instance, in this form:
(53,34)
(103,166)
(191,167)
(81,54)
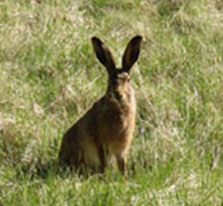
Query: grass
(49,77)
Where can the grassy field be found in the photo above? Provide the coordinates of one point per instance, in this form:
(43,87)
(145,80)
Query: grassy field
(49,77)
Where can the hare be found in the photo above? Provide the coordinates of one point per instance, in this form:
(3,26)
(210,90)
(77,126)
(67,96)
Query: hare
(107,128)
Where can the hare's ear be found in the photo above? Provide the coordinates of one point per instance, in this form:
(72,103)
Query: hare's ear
(103,54)
(131,53)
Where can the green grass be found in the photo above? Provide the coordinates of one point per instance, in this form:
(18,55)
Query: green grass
(49,77)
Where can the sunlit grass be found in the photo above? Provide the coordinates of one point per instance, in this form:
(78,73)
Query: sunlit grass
(49,77)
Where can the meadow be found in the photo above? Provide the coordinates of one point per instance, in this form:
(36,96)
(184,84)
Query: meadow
(49,77)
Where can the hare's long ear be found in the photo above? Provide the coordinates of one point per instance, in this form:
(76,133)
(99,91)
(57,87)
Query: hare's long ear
(131,53)
(103,54)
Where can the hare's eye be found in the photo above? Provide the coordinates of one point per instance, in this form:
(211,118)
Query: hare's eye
(114,81)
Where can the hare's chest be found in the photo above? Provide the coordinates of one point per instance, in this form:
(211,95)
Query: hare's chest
(118,125)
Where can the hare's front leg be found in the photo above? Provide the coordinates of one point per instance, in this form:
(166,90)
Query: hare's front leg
(122,165)
(102,157)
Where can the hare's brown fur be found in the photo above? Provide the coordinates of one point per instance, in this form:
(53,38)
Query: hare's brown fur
(107,128)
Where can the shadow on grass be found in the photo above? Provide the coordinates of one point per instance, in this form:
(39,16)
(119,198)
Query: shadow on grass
(51,168)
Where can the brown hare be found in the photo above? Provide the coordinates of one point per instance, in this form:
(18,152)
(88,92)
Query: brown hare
(107,128)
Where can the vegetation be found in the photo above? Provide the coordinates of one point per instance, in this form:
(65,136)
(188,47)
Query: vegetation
(49,77)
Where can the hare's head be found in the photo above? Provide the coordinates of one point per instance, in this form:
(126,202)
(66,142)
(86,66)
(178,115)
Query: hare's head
(118,77)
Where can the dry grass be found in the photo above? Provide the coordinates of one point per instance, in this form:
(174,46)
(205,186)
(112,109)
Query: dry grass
(49,77)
